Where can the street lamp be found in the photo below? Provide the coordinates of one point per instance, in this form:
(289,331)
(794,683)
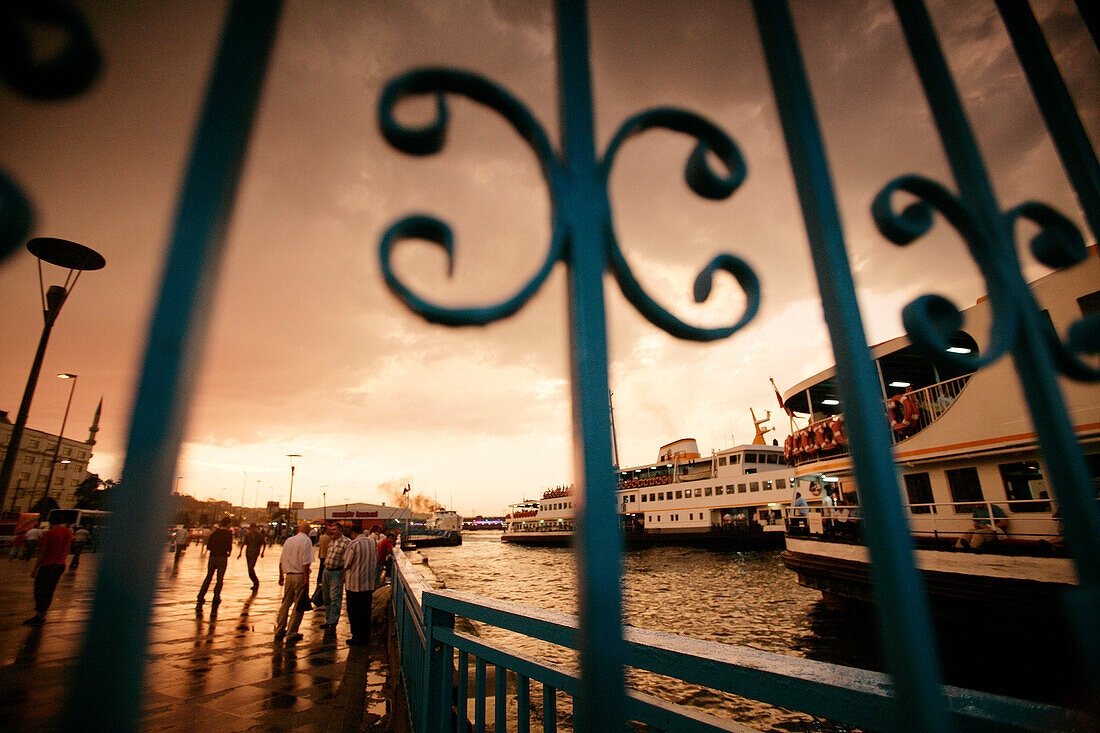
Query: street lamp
(76,258)
(256,502)
(290,499)
(324,503)
(60,434)
(244,483)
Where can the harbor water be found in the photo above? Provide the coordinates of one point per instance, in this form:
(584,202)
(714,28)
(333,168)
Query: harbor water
(739,598)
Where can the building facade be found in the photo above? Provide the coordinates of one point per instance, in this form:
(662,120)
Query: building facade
(32,468)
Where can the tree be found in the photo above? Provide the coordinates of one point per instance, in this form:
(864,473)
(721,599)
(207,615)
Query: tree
(93,491)
(43,506)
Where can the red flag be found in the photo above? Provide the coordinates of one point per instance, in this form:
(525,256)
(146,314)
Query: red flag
(779,397)
(407,487)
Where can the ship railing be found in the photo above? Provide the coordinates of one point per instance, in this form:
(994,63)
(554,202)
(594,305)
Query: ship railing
(451,675)
(1023,526)
(927,405)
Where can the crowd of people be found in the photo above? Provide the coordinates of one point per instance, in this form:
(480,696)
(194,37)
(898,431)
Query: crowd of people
(350,561)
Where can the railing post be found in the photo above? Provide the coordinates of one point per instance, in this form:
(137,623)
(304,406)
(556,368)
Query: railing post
(437,671)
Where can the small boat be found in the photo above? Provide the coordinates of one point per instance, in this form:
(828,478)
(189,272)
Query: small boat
(987,529)
(731,499)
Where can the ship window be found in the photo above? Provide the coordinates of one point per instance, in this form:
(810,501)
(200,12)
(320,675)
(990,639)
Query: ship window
(661,496)
(767,485)
(965,487)
(1089,304)
(750,470)
(691,517)
(773,458)
(717,490)
(633,497)
(708,491)
(734,460)
(679,495)
(729,488)
(781,483)
(649,518)
(754,486)
(643,497)
(1024,480)
(721,460)
(653,497)
(919,488)
(740,488)
(698,492)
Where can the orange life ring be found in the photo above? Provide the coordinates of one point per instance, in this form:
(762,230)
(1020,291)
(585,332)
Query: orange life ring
(903,412)
(824,433)
(787,449)
(839,435)
(809,441)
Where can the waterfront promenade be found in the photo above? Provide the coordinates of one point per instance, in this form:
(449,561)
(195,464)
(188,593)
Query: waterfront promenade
(220,671)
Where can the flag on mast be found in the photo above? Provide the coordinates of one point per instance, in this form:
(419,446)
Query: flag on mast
(407,487)
(779,397)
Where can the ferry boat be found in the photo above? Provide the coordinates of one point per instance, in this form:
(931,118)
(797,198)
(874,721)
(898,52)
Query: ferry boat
(732,499)
(442,529)
(986,528)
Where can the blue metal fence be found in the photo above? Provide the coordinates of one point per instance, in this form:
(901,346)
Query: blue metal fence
(436,661)
(583,240)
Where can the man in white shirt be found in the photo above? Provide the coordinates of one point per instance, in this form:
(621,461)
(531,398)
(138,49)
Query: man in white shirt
(294,577)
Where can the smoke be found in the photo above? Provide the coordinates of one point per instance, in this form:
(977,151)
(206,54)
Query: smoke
(394,491)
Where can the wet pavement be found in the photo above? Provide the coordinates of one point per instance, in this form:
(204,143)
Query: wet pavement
(216,671)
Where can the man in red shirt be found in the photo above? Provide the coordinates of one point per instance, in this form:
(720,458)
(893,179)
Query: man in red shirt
(53,553)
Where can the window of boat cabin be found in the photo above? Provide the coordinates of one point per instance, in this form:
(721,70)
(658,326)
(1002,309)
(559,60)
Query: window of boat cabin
(735,459)
(754,486)
(708,491)
(643,497)
(717,490)
(965,487)
(698,492)
(653,497)
(1024,480)
(750,470)
(741,488)
(721,460)
(781,483)
(919,488)
(679,495)
(1089,304)
(660,496)
(767,485)
(729,488)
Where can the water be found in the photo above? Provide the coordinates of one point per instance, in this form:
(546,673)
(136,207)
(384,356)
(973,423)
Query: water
(738,598)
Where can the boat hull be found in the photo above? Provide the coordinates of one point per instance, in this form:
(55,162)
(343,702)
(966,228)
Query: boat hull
(441,539)
(959,584)
(713,540)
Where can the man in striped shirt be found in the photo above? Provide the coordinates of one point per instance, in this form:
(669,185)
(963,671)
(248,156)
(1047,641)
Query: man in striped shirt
(360,561)
(334,574)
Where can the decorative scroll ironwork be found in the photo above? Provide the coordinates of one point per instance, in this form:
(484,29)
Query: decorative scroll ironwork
(931,319)
(70,71)
(430,138)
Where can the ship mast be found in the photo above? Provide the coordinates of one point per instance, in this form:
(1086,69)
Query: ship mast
(761,431)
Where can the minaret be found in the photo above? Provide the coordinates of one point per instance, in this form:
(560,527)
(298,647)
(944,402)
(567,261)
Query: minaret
(95,423)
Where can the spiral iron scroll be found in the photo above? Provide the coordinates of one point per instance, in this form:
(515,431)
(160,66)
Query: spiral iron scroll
(429,139)
(68,72)
(931,319)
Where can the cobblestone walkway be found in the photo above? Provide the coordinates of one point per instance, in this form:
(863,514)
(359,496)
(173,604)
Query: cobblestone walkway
(213,672)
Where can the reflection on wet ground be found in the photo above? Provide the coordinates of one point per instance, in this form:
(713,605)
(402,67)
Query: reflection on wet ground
(218,670)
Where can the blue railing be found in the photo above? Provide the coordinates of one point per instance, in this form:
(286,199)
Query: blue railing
(436,660)
(106,688)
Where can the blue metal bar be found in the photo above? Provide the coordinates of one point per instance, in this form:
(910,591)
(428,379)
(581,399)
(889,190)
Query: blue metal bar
(463,702)
(1065,465)
(523,704)
(105,693)
(437,660)
(900,601)
(549,709)
(479,696)
(500,698)
(598,544)
(1056,104)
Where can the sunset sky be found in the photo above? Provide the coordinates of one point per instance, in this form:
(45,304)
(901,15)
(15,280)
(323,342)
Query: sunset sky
(308,352)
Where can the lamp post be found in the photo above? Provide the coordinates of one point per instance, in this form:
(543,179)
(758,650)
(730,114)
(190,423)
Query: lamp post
(244,483)
(76,258)
(256,502)
(290,499)
(324,504)
(60,434)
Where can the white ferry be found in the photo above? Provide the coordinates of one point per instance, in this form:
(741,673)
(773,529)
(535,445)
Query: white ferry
(443,528)
(986,527)
(733,499)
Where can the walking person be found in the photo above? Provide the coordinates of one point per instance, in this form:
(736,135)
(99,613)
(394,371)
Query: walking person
(182,539)
(30,542)
(219,546)
(53,552)
(320,595)
(334,575)
(360,562)
(81,538)
(385,558)
(253,545)
(294,577)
